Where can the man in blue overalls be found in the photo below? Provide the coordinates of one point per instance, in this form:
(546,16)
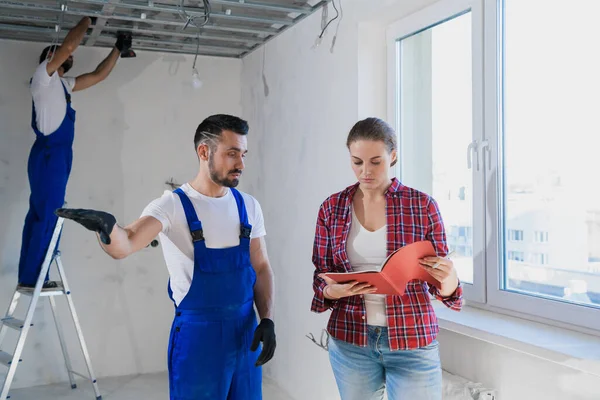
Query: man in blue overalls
(50,159)
(212,237)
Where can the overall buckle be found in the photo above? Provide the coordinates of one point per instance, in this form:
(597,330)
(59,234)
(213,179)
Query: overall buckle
(245,232)
(197,235)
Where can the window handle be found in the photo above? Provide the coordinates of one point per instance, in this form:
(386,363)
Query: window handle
(472,148)
(485,149)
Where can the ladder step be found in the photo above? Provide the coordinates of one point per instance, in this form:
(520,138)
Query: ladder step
(6,359)
(57,291)
(14,323)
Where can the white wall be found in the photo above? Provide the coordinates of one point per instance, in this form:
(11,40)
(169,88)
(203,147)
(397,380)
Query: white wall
(133,132)
(298,157)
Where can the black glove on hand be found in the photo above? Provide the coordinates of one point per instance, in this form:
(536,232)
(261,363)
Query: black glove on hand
(97,221)
(123,43)
(265,332)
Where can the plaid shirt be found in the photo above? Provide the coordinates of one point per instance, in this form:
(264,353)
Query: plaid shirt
(411,216)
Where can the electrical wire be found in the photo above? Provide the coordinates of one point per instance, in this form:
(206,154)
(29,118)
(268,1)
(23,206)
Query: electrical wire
(190,20)
(58,28)
(337,14)
(337,28)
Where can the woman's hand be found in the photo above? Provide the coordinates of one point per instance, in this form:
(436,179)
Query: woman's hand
(335,290)
(443,271)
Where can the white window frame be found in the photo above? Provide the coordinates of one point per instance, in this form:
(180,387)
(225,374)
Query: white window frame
(485,292)
(551,310)
(434,15)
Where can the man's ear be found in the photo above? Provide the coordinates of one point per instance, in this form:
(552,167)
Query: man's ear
(203,151)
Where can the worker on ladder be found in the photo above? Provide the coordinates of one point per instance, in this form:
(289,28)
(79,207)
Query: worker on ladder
(213,244)
(50,159)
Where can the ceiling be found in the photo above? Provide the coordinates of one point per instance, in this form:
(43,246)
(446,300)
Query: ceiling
(234,27)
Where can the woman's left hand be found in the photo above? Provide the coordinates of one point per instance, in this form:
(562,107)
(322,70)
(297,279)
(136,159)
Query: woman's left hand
(444,272)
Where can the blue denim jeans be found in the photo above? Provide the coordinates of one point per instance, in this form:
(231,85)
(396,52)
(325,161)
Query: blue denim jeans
(363,373)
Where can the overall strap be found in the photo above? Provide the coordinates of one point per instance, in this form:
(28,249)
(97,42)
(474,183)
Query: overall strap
(67,95)
(190,214)
(245,227)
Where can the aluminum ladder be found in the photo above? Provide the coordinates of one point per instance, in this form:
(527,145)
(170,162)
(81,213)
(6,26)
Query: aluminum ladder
(23,326)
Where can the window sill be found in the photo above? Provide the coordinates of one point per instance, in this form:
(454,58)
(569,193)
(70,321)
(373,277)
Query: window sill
(568,348)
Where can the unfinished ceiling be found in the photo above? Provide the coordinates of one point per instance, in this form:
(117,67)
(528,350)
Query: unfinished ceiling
(234,27)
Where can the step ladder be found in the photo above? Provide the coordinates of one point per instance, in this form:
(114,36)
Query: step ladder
(23,326)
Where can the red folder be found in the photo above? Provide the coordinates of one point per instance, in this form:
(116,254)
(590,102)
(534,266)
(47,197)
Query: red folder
(401,267)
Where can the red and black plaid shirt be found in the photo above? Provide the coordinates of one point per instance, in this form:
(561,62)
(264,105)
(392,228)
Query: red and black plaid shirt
(411,216)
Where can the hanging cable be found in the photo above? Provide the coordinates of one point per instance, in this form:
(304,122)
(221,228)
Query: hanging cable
(57,28)
(337,28)
(196,81)
(190,20)
(337,14)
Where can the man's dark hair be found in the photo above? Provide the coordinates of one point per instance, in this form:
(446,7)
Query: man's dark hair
(45,52)
(211,128)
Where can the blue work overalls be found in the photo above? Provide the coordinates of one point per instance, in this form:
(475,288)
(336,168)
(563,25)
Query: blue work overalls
(209,348)
(48,169)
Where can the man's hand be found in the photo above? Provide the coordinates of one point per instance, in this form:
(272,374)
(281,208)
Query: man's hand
(123,44)
(97,221)
(265,332)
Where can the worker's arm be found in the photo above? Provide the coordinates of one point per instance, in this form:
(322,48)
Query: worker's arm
(68,46)
(116,241)
(99,74)
(263,297)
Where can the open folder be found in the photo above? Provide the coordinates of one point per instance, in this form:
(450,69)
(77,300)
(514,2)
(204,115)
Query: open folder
(401,267)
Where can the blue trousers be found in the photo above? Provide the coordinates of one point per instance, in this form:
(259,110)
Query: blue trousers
(210,358)
(364,373)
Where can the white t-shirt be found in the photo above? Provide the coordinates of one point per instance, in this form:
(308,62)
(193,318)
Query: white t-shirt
(49,98)
(367,251)
(220,225)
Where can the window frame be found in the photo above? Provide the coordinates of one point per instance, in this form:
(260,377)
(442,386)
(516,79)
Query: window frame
(433,15)
(488,253)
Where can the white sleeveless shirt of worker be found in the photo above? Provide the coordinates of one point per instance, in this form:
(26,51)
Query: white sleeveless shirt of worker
(366,251)
(49,98)
(220,223)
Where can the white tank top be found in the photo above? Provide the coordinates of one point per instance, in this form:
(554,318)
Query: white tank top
(366,251)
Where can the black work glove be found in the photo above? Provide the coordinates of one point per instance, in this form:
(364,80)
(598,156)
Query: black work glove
(97,221)
(265,332)
(123,43)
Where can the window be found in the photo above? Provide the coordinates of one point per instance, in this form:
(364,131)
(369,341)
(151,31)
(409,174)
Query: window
(502,137)
(516,256)
(539,258)
(541,237)
(515,235)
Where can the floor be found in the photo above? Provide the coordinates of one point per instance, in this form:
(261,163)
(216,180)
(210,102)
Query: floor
(147,387)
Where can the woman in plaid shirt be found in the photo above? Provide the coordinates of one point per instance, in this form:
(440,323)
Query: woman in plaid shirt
(381,342)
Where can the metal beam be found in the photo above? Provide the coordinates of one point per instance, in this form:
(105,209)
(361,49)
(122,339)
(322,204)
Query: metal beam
(107,9)
(121,17)
(226,38)
(192,46)
(283,29)
(192,11)
(250,41)
(264,6)
(178,51)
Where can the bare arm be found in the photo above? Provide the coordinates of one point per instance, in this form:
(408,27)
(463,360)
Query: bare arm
(71,42)
(99,74)
(263,290)
(132,238)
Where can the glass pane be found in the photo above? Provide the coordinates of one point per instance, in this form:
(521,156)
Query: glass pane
(551,195)
(436,127)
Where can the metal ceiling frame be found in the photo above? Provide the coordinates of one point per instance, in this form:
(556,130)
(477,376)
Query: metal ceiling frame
(235,32)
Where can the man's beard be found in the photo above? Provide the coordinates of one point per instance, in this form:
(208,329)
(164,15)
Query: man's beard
(67,65)
(222,180)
